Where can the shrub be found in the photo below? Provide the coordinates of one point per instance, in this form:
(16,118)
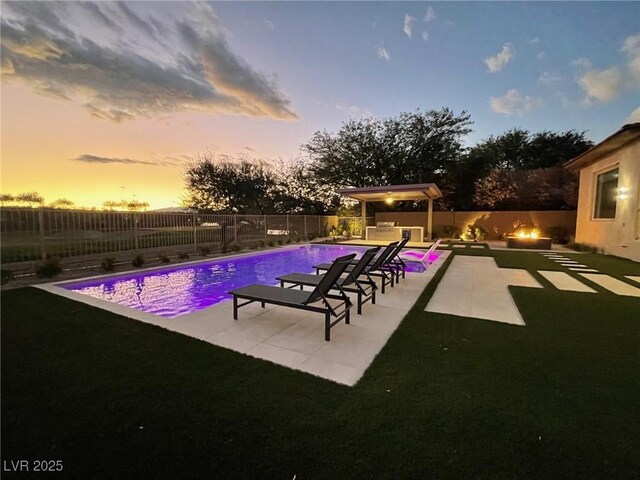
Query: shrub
(49,268)
(474,233)
(289,241)
(108,264)
(6,276)
(138,261)
(558,234)
(451,231)
(204,250)
(271,243)
(298,239)
(280,242)
(261,244)
(583,247)
(183,255)
(235,247)
(311,236)
(163,258)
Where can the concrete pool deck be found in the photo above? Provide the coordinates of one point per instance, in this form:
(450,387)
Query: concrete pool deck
(289,337)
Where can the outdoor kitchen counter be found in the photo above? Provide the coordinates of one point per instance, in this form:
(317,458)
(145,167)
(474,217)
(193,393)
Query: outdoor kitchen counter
(391,234)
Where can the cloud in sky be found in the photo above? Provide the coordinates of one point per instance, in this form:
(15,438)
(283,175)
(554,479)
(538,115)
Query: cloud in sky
(123,61)
(408,24)
(425,35)
(353,110)
(634,116)
(605,85)
(602,85)
(535,40)
(96,159)
(383,54)
(498,62)
(513,103)
(548,78)
(582,62)
(430,15)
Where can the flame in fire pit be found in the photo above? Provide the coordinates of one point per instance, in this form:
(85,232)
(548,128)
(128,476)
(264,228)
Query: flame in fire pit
(527,232)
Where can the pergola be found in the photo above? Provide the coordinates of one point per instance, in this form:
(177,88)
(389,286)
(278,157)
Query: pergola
(393,193)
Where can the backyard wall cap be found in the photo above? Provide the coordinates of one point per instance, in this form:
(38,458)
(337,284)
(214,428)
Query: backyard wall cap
(626,135)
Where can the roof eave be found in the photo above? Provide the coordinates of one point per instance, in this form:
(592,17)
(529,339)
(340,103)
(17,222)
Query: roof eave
(627,134)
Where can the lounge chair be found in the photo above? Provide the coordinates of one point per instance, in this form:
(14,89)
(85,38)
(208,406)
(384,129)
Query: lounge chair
(395,264)
(424,258)
(376,268)
(352,282)
(314,301)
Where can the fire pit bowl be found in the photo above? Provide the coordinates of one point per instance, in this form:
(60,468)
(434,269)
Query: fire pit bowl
(528,237)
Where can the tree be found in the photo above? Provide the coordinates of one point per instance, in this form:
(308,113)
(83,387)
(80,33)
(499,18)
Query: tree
(551,188)
(231,187)
(494,191)
(129,205)
(7,198)
(62,203)
(410,148)
(516,149)
(299,191)
(31,199)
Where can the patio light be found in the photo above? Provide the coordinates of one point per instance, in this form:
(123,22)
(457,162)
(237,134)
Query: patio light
(622,193)
(389,200)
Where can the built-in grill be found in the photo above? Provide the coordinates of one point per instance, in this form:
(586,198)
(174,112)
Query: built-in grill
(385,226)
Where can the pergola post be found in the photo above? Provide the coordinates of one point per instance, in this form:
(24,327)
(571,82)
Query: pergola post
(430,220)
(363,213)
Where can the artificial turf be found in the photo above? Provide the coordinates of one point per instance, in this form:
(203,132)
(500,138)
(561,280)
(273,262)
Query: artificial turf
(447,397)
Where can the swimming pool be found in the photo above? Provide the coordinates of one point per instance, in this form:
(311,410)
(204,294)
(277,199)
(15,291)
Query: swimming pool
(174,291)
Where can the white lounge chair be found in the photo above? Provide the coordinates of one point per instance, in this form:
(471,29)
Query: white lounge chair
(415,256)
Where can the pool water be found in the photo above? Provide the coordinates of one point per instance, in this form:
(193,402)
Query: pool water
(174,291)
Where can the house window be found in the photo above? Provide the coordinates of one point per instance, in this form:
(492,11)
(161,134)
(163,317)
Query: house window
(606,186)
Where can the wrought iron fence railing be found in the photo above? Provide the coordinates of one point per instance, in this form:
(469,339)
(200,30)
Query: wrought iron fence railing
(28,235)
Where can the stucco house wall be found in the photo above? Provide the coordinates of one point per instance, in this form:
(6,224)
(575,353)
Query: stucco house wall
(620,235)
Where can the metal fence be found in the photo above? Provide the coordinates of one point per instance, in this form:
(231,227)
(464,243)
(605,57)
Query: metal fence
(351,225)
(29,235)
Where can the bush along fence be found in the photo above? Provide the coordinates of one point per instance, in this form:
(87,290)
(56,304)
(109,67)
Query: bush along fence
(35,235)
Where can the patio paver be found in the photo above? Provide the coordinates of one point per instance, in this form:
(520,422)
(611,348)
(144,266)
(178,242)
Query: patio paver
(564,281)
(613,284)
(475,287)
(295,338)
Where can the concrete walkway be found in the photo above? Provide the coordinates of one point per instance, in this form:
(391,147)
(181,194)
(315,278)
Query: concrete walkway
(475,287)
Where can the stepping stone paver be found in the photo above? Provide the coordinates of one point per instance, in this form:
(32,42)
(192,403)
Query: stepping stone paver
(564,281)
(475,287)
(613,284)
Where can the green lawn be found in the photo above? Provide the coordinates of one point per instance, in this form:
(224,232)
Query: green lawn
(448,397)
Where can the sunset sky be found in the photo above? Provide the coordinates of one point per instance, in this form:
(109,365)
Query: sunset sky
(107,101)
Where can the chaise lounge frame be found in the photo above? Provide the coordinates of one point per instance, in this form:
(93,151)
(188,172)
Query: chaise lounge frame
(302,300)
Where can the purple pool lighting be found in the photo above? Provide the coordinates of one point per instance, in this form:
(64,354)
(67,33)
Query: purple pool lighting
(420,256)
(175,291)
